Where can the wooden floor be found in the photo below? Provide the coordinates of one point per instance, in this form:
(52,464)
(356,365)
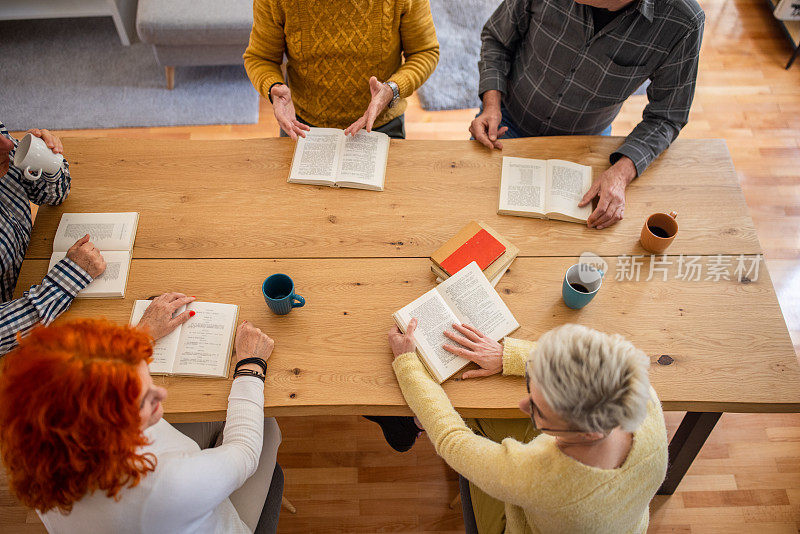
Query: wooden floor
(342,477)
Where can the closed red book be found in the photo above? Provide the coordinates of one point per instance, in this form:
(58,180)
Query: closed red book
(481,247)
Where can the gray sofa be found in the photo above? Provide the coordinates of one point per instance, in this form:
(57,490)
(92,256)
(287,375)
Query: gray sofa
(195,32)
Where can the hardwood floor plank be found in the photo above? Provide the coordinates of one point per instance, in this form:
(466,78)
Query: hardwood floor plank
(744,497)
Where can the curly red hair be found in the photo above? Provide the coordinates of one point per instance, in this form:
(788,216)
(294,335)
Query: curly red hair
(69,420)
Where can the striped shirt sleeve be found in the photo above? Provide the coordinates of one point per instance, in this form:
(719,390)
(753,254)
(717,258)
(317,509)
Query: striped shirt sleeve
(51,189)
(499,40)
(669,96)
(42,303)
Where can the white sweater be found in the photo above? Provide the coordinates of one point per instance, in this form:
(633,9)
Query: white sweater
(189,489)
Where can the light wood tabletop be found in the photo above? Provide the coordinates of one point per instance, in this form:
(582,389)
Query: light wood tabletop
(230,199)
(217,217)
(725,342)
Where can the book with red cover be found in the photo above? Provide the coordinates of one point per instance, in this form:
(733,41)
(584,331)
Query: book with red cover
(482,248)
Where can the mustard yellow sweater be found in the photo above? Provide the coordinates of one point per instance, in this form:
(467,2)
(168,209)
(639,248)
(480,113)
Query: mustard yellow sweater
(544,489)
(334,46)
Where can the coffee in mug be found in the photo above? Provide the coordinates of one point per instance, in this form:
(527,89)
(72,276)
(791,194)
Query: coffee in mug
(581,283)
(658,232)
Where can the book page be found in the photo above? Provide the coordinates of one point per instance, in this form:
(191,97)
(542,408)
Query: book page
(206,339)
(567,183)
(112,282)
(316,157)
(433,318)
(522,185)
(165,348)
(108,231)
(363,158)
(476,303)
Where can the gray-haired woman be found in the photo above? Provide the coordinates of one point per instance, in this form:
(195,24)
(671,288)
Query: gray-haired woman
(593,452)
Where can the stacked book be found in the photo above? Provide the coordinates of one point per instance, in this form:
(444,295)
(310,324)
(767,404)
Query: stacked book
(475,242)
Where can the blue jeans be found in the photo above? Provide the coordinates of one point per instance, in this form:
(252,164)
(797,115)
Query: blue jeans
(513,132)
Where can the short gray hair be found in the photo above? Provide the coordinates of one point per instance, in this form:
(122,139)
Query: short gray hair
(595,381)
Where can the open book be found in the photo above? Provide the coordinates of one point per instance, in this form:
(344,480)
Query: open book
(548,189)
(113,234)
(466,297)
(328,157)
(201,346)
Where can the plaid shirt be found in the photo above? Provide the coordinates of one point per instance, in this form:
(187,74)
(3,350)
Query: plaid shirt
(48,300)
(560,77)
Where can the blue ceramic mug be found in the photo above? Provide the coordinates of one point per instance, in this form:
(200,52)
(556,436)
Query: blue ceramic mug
(581,283)
(279,294)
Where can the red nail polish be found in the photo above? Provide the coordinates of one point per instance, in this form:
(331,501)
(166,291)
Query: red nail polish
(191,314)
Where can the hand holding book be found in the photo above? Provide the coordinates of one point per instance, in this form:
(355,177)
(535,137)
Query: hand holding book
(609,189)
(402,343)
(476,347)
(472,345)
(158,321)
(86,256)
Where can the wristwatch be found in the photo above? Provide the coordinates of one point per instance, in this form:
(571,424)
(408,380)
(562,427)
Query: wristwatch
(395,93)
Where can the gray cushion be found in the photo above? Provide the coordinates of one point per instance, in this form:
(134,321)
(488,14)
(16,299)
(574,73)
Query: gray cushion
(201,22)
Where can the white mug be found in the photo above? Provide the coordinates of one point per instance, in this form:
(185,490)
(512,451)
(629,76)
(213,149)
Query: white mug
(33,153)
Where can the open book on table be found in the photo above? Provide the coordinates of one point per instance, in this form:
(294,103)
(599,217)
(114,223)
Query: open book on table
(113,234)
(546,189)
(466,297)
(201,346)
(328,157)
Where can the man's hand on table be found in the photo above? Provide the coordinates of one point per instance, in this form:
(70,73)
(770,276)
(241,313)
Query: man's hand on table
(158,321)
(476,347)
(484,126)
(610,188)
(87,257)
(402,343)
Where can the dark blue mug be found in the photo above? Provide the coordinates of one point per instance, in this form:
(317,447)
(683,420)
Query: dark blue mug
(278,291)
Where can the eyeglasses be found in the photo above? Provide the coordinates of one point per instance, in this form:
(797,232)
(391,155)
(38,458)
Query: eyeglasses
(533,409)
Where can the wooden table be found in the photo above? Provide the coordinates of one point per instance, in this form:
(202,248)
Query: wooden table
(218,217)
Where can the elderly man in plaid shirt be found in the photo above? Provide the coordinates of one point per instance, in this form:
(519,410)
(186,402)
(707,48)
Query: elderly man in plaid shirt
(564,67)
(46,301)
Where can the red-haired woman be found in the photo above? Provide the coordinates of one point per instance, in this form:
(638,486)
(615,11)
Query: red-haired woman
(83,441)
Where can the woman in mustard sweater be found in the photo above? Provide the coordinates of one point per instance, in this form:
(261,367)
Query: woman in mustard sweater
(600,448)
(344,61)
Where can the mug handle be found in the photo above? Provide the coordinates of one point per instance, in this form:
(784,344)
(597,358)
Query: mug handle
(30,176)
(673,214)
(300,301)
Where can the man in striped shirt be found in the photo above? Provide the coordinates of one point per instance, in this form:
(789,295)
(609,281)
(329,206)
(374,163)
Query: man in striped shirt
(83,262)
(565,67)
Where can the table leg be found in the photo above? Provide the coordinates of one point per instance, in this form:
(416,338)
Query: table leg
(794,56)
(686,443)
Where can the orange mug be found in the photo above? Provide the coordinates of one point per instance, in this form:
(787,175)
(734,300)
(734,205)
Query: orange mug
(659,230)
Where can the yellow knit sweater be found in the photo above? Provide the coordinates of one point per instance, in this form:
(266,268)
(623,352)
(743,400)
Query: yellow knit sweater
(334,46)
(544,489)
